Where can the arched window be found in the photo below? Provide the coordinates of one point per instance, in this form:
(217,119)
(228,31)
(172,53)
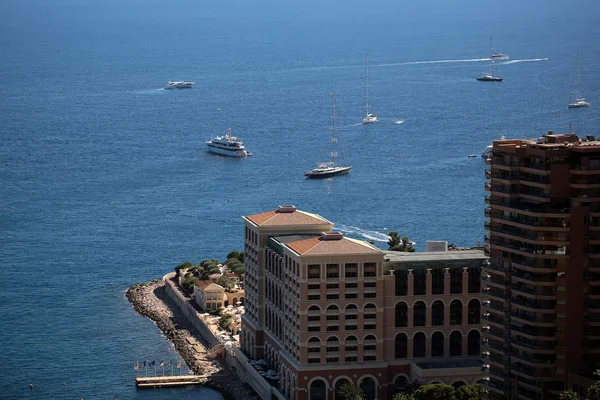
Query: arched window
(370,316)
(318,390)
(351,348)
(332,349)
(400,384)
(456,343)
(458,384)
(419,345)
(314,348)
(401,345)
(370,348)
(474,343)
(401,315)
(456,312)
(474,311)
(419,313)
(437,344)
(338,388)
(437,313)
(367,386)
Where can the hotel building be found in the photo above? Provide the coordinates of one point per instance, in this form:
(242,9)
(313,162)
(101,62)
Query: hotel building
(323,309)
(541,289)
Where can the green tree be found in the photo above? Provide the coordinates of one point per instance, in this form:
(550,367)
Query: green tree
(394,240)
(469,392)
(397,243)
(403,396)
(350,391)
(569,395)
(237,255)
(436,391)
(225,322)
(183,266)
(188,282)
(239,271)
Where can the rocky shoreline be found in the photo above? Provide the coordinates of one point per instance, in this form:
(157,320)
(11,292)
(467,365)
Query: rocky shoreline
(150,300)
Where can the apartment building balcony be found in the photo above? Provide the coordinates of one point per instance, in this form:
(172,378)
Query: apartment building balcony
(488,173)
(491,347)
(581,169)
(495,269)
(494,281)
(536,361)
(536,168)
(533,346)
(495,294)
(536,306)
(532,251)
(487,212)
(534,237)
(539,293)
(593,319)
(530,384)
(539,267)
(533,279)
(538,374)
(487,199)
(544,214)
(496,374)
(586,196)
(493,320)
(548,320)
(493,359)
(587,184)
(488,186)
(498,309)
(492,386)
(493,332)
(593,333)
(532,333)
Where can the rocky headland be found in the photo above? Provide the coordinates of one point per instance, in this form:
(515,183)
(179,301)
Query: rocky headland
(150,300)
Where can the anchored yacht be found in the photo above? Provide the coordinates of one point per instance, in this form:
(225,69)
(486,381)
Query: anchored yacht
(179,85)
(227,146)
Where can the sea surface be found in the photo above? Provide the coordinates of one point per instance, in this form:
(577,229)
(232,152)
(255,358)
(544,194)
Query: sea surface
(105,181)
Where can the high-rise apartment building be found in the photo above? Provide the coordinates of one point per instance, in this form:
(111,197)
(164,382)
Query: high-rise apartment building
(323,309)
(541,289)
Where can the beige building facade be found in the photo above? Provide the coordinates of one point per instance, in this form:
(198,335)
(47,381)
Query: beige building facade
(323,309)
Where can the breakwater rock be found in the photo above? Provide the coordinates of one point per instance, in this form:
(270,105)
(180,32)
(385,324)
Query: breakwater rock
(150,300)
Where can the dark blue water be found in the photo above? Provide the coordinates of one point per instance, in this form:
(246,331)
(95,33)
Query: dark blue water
(105,182)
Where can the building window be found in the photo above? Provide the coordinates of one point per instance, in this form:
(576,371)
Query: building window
(456,275)
(351,270)
(419,313)
(401,315)
(437,281)
(370,295)
(370,269)
(333,296)
(333,271)
(474,280)
(314,297)
(420,285)
(437,313)
(401,282)
(351,296)
(456,312)
(314,271)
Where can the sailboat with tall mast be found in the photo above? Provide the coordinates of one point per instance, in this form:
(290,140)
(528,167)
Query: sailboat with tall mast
(368,118)
(580,101)
(330,168)
(489,76)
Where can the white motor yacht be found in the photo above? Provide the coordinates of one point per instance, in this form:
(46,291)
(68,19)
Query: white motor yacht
(227,145)
(179,85)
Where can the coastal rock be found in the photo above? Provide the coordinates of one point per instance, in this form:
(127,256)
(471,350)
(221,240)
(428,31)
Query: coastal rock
(150,300)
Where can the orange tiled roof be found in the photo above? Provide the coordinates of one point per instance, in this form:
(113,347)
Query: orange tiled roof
(275,218)
(317,246)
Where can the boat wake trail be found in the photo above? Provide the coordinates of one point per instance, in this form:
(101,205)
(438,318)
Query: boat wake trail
(432,62)
(364,233)
(526,60)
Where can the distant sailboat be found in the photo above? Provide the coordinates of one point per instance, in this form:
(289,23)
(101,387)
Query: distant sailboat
(329,169)
(489,76)
(580,101)
(368,118)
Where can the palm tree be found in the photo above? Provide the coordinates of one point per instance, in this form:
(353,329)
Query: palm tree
(396,243)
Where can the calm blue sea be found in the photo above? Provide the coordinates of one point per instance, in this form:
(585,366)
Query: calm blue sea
(105,182)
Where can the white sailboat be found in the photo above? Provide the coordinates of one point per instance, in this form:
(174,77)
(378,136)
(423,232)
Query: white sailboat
(489,76)
(329,169)
(368,118)
(580,101)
